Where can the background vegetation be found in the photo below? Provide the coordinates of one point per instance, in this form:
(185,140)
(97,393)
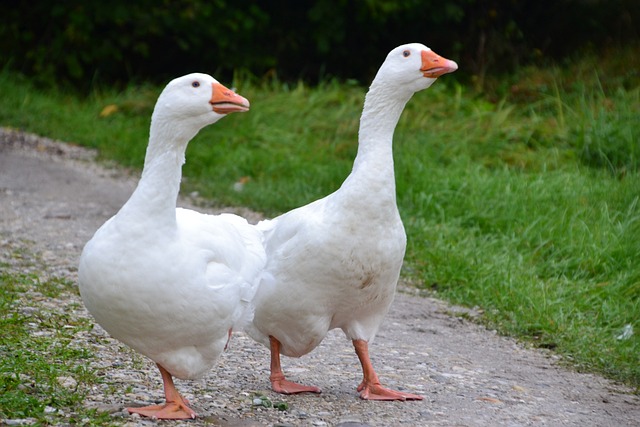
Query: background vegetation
(517,177)
(119,41)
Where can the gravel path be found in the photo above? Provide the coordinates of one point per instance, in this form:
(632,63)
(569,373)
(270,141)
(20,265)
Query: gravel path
(53,196)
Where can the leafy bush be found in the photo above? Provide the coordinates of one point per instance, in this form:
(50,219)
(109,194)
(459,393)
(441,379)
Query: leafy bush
(117,41)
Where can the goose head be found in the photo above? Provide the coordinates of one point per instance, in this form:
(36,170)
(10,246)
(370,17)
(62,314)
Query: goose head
(195,101)
(414,67)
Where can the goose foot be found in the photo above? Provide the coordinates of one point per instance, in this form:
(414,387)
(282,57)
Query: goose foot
(176,408)
(168,411)
(280,385)
(370,387)
(278,382)
(378,392)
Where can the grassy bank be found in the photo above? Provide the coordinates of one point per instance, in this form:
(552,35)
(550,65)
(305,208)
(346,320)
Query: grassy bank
(44,373)
(524,203)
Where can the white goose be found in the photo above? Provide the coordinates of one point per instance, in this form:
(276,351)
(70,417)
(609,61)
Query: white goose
(336,261)
(172,283)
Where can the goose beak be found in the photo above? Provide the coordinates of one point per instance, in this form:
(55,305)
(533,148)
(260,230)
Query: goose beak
(434,65)
(225,101)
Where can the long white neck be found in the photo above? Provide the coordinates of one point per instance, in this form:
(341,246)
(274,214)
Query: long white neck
(373,165)
(154,199)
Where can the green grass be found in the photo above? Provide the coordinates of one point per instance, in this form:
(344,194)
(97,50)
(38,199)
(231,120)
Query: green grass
(523,202)
(44,375)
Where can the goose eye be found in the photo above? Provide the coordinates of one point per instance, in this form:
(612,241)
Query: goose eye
(406,53)
(195,84)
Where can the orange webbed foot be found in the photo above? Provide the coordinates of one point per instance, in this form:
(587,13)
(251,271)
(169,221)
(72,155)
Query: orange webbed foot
(280,385)
(176,407)
(378,392)
(168,411)
(278,382)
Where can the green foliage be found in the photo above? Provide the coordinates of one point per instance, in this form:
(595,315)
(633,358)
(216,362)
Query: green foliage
(609,136)
(81,42)
(119,41)
(308,137)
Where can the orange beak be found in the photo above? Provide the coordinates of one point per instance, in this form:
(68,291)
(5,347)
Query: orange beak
(225,101)
(434,65)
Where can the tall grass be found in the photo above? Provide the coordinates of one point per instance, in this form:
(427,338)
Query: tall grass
(526,205)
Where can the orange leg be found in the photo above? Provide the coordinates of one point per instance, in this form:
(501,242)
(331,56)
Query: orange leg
(228,339)
(278,383)
(176,408)
(370,387)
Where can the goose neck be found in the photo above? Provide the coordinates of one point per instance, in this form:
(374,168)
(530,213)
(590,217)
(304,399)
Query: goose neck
(157,191)
(380,115)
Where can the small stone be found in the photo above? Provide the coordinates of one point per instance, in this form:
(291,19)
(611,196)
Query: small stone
(439,378)
(67,382)
(107,408)
(490,400)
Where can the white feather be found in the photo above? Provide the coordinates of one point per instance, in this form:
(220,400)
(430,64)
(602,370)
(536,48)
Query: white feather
(171,282)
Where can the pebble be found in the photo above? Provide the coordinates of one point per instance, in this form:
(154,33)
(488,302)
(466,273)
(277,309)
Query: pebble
(67,382)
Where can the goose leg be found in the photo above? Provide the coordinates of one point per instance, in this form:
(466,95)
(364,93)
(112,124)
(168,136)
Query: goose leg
(278,382)
(228,339)
(176,408)
(370,387)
